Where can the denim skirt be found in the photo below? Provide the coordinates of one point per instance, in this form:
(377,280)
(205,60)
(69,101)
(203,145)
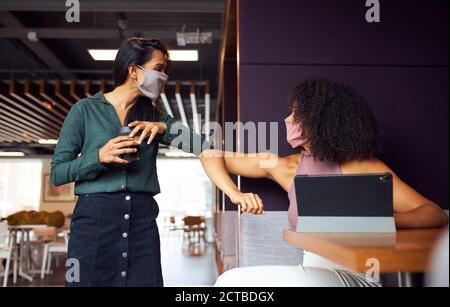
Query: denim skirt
(114,241)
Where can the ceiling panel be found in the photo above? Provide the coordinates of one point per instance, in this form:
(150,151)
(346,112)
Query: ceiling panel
(30,106)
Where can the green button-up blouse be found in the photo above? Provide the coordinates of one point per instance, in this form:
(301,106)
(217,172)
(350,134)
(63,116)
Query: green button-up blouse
(90,124)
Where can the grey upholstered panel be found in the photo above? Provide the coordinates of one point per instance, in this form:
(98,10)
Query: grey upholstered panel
(261,241)
(228,252)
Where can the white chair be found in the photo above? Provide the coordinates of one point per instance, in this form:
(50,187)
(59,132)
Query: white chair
(51,248)
(6,247)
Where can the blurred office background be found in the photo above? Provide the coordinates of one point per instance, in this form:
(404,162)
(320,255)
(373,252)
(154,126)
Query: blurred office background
(250,52)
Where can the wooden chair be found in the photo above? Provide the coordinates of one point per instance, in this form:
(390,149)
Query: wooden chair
(194,229)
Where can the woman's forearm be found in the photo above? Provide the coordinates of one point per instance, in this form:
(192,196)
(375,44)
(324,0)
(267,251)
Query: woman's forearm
(66,169)
(427,216)
(66,165)
(215,167)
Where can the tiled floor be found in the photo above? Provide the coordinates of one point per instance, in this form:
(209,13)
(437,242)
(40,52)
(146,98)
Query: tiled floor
(180,266)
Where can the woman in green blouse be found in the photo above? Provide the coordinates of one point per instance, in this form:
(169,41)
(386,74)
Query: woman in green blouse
(114,236)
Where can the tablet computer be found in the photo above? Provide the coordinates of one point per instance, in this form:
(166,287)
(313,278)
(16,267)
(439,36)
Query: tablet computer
(357,203)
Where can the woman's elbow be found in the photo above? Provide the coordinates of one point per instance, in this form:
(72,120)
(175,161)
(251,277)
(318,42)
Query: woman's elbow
(443,219)
(208,154)
(440,218)
(54,178)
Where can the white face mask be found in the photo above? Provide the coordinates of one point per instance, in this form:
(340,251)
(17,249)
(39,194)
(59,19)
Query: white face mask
(152,83)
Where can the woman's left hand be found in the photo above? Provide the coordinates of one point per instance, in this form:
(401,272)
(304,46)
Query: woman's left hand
(149,129)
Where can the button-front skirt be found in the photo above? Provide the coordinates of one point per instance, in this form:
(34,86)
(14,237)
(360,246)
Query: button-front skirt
(115,240)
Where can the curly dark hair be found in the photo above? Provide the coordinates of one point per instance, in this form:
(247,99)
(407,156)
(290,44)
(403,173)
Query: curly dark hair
(337,120)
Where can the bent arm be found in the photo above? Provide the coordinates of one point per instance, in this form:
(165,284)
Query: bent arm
(66,166)
(179,136)
(412,210)
(218,165)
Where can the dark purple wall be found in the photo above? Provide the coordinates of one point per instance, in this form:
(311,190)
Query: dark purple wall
(229,110)
(411,32)
(401,65)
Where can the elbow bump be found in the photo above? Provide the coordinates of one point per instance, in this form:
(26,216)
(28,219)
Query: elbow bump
(441,216)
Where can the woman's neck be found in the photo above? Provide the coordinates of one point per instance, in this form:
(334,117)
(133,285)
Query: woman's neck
(123,96)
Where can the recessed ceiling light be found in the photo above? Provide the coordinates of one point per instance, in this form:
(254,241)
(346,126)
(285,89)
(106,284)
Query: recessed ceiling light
(11,154)
(175,55)
(183,55)
(103,54)
(48,142)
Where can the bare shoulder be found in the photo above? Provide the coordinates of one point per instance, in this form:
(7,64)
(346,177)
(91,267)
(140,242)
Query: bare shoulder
(289,162)
(272,163)
(284,170)
(365,166)
(293,158)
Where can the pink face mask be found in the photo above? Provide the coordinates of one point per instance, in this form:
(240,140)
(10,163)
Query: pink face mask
(294,131)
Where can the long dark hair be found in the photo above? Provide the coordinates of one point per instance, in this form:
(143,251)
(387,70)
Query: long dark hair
(138,51)
(337,119)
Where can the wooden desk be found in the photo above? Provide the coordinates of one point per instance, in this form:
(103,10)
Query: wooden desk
(405,252)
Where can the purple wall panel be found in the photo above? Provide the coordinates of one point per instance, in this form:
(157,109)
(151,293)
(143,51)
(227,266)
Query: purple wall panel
(411,32)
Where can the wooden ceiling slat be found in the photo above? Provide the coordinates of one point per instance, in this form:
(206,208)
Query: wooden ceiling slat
(103,86)
(31,115)
(31,92)
(14,129)
(31,122)
(40,109)
(22,106)
(52,102)
(10,135)
(25,127)
(51,106)
(6,138)
(73,90)
(62,97)
(15,136)
(28,91)
(87,88)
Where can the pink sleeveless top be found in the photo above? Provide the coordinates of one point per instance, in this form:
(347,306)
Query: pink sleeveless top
(308,166)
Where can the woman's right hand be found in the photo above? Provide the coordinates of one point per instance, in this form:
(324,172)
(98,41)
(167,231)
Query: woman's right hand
(249,203)
(111,151)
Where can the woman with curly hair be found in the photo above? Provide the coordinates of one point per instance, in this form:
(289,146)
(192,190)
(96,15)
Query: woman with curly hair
(335,133)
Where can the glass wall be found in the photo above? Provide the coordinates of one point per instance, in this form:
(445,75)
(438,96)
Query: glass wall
(20,185)
(185,188)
